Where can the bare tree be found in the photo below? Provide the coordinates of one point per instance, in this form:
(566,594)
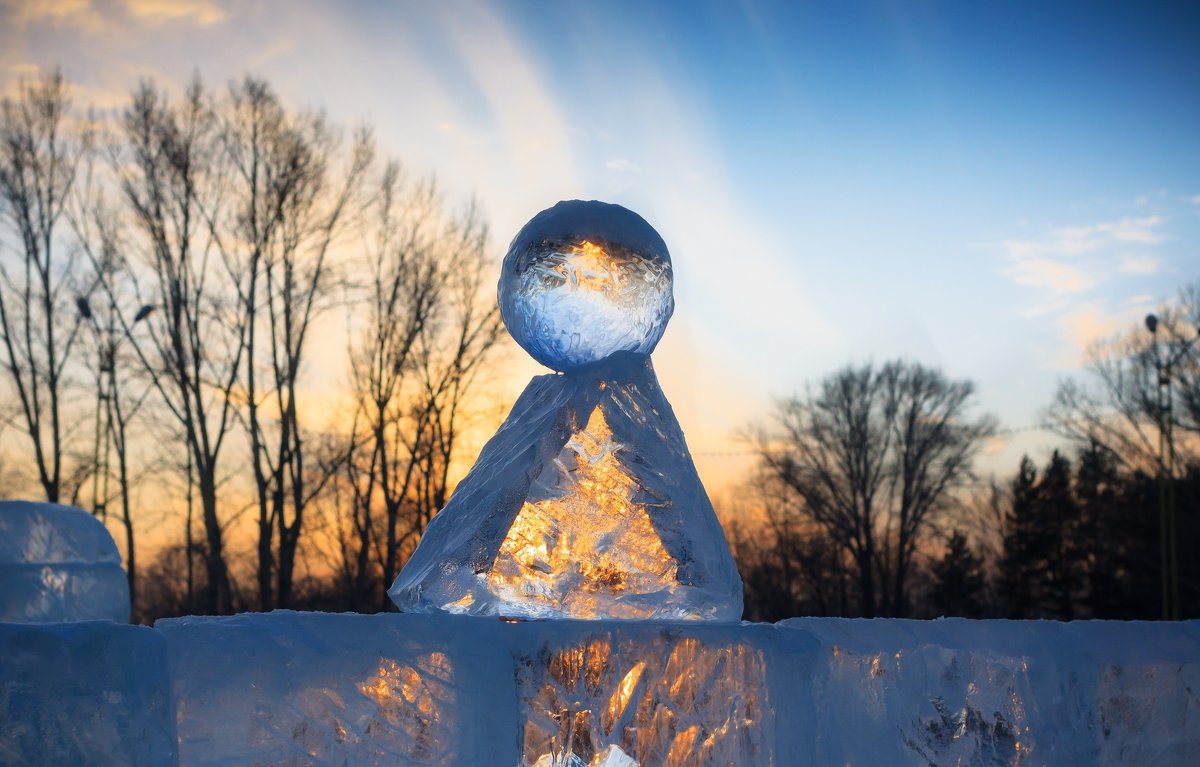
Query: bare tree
(429,328)
(872,458)
(172,175)
(1122,404)
(41,151)
(292,203)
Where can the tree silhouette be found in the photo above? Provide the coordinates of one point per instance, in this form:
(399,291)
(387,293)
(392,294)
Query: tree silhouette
(872,457)
(958,581)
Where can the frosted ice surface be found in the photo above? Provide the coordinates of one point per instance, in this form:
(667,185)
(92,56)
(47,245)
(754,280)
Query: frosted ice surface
(88,694)
(583,280)
(340,690)
(58,563)
(991,693)
(585,504)
(650,696)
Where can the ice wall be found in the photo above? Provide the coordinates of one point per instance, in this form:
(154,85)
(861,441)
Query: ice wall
(91,694)
(318,689)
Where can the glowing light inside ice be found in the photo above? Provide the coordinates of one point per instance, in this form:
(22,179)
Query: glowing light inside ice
(578,552)
(623,703)
(584,280)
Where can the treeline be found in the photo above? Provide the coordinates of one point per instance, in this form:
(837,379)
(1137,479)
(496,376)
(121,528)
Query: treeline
(171,275)
(865,502)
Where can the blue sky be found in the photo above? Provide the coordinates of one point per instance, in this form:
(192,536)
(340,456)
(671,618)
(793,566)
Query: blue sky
(986,187)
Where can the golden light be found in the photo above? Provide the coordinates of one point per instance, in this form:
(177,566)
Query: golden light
(657,699)
(607,551)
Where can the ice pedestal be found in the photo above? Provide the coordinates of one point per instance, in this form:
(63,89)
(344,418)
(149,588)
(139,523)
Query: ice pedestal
(585,504)
(84,694)
(58,563)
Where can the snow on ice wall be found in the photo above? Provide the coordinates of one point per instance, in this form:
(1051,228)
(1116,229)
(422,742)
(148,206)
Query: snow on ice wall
(403,689)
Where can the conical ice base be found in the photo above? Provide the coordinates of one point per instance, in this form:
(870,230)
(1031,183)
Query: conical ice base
(585,504)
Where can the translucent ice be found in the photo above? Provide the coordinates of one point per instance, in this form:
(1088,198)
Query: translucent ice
(585,504)
(58,563)
(583,280)
(323,690)
(648,696)
(90,694)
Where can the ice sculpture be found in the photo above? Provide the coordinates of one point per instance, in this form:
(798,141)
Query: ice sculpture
(616,699)
(583,280)
(585,504)
(58,563)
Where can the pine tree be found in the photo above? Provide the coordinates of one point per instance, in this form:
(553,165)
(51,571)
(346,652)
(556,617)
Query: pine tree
(958,580)
(1097,485)
(1019,568)
(1058,524)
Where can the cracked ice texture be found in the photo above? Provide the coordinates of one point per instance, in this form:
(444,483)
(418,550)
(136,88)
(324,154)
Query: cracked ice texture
(645,697)
(58,563)
(583,280)
(585,504)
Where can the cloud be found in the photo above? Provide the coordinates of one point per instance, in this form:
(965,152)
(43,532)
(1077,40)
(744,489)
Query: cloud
(528,125)
(1077,240)
(51,10)
(201,12)
(1138,265)
(1052,275)
(1073,259)
(1084,327)
(1196,199)
(621,165)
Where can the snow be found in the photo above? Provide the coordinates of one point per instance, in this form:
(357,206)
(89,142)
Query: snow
(585,504)
(58,563)
(85,694)
(583,280)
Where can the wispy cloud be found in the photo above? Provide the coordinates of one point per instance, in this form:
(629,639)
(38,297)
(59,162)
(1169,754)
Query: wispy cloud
(1074,259)
(621,165)
(201,12)
(1138,265)
(1052,275)
(1084,327)
(1076,240)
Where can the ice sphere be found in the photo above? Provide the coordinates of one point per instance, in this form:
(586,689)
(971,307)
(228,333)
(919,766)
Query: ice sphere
(583,280)
(90,694)
(324,690)
(584,504)
(58,563)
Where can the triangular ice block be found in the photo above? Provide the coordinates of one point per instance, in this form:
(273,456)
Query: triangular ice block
(585,504)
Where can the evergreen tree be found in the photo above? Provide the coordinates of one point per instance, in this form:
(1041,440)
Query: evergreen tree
(1057,524)
(1019,567)
(1097,488)
(958,580)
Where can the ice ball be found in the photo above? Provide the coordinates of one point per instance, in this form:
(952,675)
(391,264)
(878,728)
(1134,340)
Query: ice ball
(583,280)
